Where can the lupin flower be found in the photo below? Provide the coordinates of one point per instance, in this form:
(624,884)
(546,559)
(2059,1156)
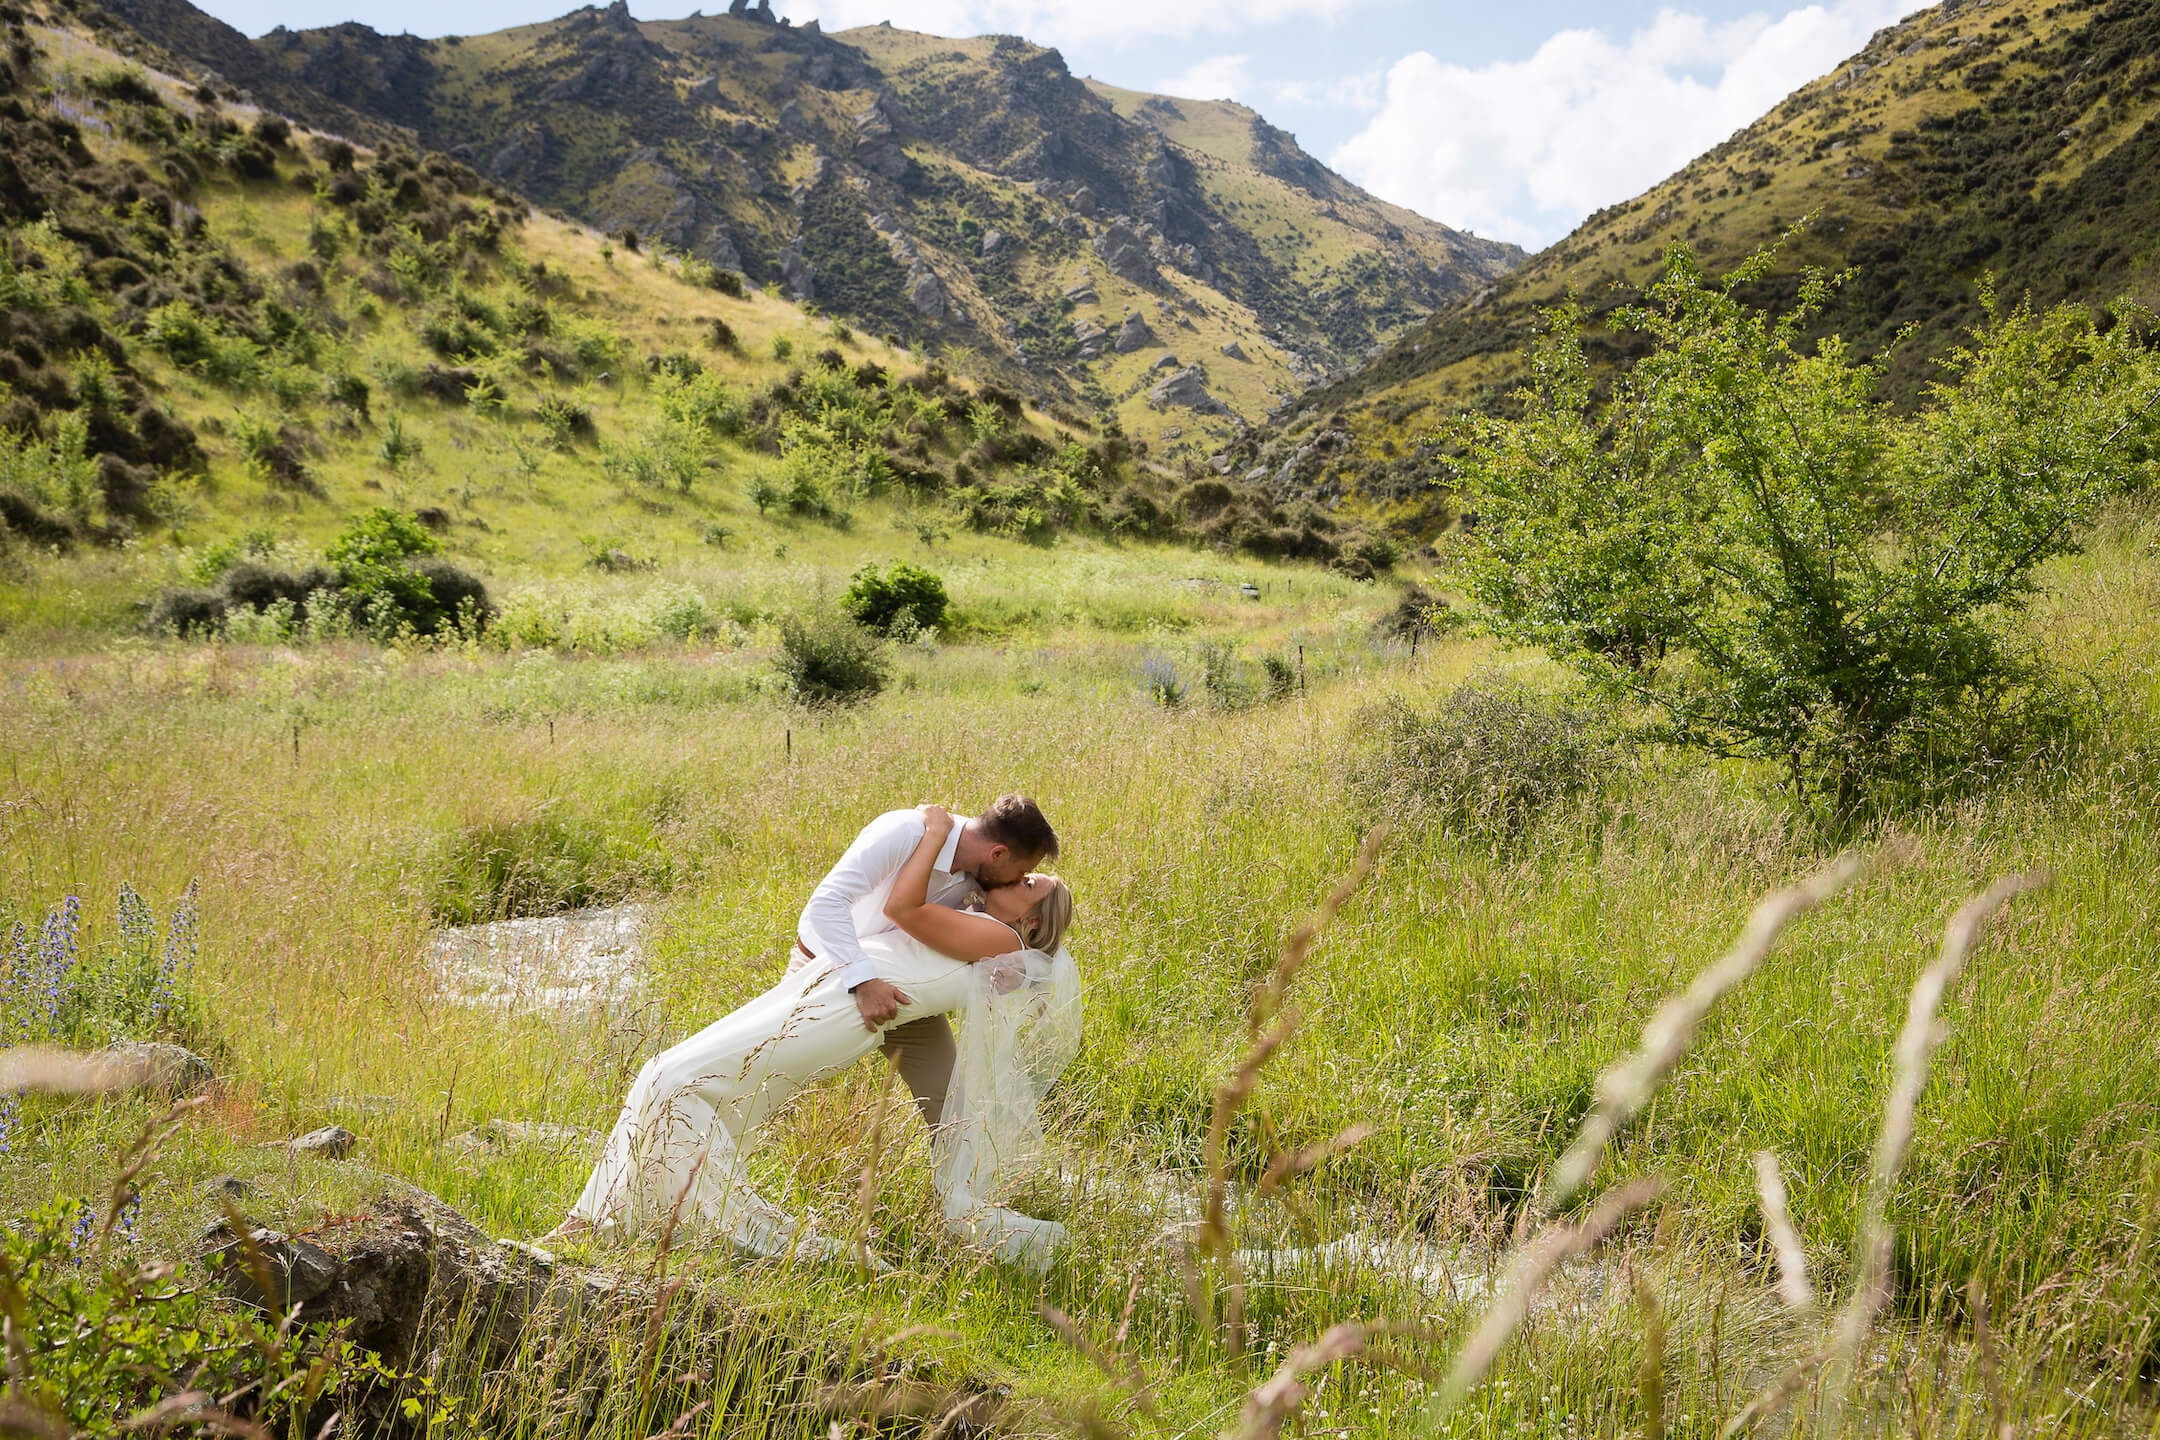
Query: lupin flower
(56,961)
(177,966)
(10,1121)
(16,981)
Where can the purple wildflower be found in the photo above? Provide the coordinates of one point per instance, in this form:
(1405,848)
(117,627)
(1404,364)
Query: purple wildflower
(16,981)
(177,967)
(85,1227)
(10,1121)
(56,962)
(130,1212)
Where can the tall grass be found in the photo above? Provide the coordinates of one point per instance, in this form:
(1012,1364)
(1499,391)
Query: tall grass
(1461,1006)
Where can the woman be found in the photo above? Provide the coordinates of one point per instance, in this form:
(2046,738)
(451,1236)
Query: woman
(676,1153)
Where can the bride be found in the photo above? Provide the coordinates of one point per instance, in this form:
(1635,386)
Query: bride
(676,1155)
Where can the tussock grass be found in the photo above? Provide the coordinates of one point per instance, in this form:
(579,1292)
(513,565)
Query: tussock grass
(1461,1006)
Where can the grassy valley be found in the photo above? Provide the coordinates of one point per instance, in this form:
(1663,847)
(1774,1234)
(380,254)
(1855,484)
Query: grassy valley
(379,556)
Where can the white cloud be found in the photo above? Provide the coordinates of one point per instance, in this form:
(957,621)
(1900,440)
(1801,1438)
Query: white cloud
(1523,150)
(1065,22)
(1219,77)
(1360,93)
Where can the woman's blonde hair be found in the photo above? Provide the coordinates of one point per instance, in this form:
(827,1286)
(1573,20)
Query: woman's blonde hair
(1045,924)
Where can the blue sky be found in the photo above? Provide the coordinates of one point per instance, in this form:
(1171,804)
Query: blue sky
(1511,119)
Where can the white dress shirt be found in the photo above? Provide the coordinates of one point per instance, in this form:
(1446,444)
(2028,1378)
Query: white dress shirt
(850,901)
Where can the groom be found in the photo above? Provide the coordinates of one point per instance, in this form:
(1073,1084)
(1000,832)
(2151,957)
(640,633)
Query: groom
(994,848)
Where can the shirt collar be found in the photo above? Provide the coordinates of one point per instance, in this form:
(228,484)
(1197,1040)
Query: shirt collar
(952,844)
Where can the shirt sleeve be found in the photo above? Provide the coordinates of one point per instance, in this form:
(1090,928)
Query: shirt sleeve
(828,921)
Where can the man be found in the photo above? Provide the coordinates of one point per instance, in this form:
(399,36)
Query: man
(995,848)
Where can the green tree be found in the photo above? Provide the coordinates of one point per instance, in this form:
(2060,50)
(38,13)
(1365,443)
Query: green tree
(903,598)
(1745,541)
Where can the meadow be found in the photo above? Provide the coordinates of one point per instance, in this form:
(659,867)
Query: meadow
(1215,727)
(1460,1006)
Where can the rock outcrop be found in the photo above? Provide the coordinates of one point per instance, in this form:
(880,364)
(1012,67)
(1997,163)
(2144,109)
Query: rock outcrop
(1187,388)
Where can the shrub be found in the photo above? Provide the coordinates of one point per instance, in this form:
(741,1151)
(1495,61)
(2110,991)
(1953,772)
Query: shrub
(566,421)
(1488,761)
(901,600)
(827,659)
(106,1335)
(188,612)
(1746,542)
(544,863)
(391,582)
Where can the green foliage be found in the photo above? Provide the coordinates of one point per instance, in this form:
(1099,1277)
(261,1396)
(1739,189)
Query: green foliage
(1490,759)
(62,983)
(55,471)
(398,447)
(900,601)
(1746,542)
(391,583)
(99,1337)
(547,862)
(565,420)
(670,452)
(828,659)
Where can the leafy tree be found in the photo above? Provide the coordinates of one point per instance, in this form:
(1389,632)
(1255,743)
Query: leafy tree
(902,598)
(1743,539)
(387,571)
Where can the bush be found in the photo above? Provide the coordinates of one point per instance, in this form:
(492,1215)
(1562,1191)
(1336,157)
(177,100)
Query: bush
(391,582)
(106,1335)
(1489,761)
(189,613)
(902,600)
(828,659)
(543,864)
(1744,540)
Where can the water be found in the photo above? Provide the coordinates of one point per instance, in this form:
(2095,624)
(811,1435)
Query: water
(582,960)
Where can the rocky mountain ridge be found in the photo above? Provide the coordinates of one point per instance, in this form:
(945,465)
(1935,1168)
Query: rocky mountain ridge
(971,195)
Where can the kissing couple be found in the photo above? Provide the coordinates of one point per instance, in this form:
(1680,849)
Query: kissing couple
(927,916)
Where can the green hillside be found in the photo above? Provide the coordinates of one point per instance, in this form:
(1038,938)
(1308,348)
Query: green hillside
(2018,140)
(227,335)
(968,196)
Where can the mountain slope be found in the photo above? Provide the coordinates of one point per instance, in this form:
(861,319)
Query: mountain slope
(2019,139)
(963,193)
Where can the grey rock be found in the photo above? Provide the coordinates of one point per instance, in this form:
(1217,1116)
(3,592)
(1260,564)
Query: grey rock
(792,121)
(801,278)
(1083,201)
(926,294)
(171,1071)
(705,90)
(992,242)
(224,1187)
(1234,350)
(332,1142)
(1167,361)
(1187,389)
(291,1272)
(1133,334)
(745,131)
(1125,253)
(1082,293)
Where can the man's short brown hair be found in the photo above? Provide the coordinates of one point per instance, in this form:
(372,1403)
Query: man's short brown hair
(1017,823)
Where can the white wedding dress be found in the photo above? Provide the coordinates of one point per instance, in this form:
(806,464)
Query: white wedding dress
(677,1150)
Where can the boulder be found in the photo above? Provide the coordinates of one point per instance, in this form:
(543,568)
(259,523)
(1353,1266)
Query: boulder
(1234,350)
(1091,336)
(169,1071)
(992,242)
(396,1275)
(926,294)
(705,90)
(792,121)
(1126,254)
(1167,361)
(332,1142)
(1082,293)
(220,1188)
(1188,390)
(1133,334)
